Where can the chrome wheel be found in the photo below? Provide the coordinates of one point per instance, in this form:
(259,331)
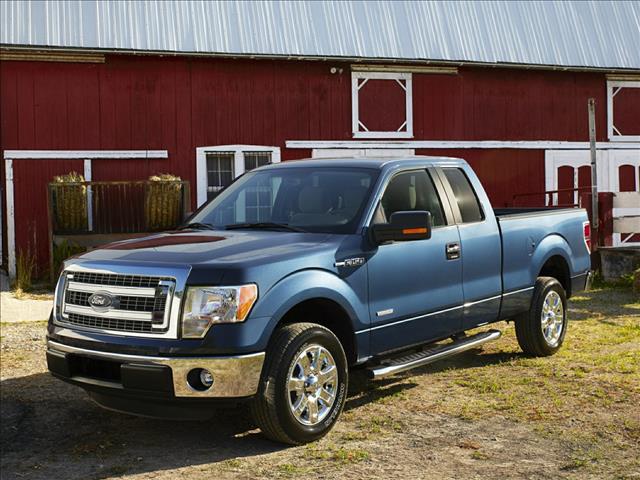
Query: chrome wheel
(552,321)
(312,384)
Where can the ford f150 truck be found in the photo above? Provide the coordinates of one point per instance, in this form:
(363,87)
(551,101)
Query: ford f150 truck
(298,273)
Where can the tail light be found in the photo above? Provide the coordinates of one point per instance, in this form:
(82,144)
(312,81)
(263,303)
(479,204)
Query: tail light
(586,231)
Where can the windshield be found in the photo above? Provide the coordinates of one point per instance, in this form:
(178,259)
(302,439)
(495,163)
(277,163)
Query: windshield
(328,200)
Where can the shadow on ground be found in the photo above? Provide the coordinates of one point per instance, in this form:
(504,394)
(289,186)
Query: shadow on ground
(51,429)
(603,304)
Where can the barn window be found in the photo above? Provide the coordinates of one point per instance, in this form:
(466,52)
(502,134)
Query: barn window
(623,110)
(219,172)
(381,105)
(217,166)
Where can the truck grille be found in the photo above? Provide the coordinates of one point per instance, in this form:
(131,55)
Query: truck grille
(134,304)
(116,279)
(109,323)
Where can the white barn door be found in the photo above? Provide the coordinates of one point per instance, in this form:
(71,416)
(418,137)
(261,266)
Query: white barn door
(618,171)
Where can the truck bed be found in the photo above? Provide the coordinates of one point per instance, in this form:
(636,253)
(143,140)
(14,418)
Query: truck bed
(529,211)
(529,235)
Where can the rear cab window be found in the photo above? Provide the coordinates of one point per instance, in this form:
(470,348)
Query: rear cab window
(465,195)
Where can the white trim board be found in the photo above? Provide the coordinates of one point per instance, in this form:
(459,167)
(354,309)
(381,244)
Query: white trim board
(350,152)
(86,155)
(495,144)
(83,154)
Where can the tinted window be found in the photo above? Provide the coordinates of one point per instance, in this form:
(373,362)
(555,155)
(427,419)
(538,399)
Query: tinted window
(410,191)
(465,195)
(323,199)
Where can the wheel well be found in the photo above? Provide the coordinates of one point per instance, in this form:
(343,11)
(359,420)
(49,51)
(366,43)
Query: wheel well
(330,315)
(557,268)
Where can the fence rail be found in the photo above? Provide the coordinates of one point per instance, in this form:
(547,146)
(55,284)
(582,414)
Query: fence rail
(561,198)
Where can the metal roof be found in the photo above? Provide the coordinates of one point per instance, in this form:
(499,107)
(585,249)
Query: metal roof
(594,34)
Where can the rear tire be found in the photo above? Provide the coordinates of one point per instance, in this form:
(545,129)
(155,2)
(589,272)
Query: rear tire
(542,329)
(303,386)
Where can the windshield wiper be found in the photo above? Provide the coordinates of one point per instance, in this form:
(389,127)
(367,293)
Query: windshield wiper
(265,226)
(196,226)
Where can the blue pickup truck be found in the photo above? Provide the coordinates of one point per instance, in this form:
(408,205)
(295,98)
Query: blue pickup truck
(301,272)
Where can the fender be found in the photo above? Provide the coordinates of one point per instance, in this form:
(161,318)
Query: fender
(548,247)
(306,285)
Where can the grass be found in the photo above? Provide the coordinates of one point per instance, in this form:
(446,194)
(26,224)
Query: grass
(596,372)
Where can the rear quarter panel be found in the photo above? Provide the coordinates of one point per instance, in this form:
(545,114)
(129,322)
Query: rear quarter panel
(529,241)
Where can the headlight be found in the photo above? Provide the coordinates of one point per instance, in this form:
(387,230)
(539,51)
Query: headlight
(205,306)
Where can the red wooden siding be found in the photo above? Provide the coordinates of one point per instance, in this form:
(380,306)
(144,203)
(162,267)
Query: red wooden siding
(30,179)
(502,104)
(627,178)
(382,105)
(179,104)
(566,179)
(503,172)
(626,111)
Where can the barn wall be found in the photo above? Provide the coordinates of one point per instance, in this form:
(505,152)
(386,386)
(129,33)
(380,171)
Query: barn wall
(179,104)
(503,172)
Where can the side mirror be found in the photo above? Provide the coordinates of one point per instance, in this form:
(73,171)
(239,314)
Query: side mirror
(402,227)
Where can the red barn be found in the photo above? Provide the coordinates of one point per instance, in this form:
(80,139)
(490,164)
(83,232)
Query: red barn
(206,91)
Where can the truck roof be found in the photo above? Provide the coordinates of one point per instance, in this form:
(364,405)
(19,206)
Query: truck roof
(369,162)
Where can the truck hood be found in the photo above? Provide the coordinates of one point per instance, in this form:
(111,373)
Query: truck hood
(212,255)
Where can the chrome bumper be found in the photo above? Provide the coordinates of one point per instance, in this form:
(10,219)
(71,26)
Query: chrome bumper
(234,376)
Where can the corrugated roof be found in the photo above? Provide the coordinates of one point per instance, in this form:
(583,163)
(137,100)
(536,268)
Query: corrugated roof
(560,33)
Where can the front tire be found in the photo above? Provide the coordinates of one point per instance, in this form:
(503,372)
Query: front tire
(303,386)
(541,330)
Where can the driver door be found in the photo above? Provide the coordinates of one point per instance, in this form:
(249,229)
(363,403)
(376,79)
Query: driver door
(415,287)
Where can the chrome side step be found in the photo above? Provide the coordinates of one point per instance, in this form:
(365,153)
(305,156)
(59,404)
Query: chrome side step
(439,352)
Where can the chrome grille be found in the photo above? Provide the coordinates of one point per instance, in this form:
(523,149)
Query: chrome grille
(138,304)
(122,302)
(117,280)
(108,323)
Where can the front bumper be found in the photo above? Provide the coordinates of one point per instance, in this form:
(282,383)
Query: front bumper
(150,376)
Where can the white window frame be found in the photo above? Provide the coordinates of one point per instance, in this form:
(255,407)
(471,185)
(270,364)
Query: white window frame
(356,85)
(238,163)
(613,87)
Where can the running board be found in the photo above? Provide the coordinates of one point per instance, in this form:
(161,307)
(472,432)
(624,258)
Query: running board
(439,352)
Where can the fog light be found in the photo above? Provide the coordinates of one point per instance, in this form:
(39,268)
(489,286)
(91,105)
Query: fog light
(200,379)
(206,378)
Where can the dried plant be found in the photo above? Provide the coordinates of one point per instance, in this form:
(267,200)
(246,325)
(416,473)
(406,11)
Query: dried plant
(25,267)
(163,201)
(69,202)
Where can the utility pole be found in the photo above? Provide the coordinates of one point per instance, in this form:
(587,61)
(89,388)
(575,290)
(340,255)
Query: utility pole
(594,174)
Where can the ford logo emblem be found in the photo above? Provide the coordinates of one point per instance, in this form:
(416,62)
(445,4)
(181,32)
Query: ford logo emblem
(100,301)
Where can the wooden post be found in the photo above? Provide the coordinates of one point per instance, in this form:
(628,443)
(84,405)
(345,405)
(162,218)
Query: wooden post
(52,273)
(87,178)
(186,201)
(594,174)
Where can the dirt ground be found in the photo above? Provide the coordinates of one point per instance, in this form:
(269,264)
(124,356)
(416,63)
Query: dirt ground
(491,413)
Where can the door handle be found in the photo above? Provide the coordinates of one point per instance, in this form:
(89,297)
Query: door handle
(453,251)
